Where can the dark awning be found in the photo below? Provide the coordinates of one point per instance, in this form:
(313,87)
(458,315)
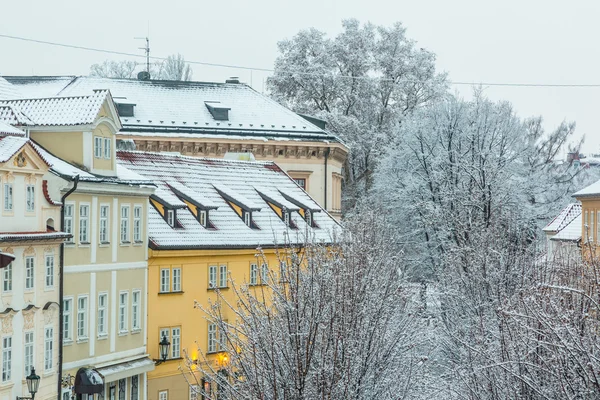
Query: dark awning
(88,381)
(5,259)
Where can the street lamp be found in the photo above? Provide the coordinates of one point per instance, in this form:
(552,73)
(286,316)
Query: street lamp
(33,383)
(163,348)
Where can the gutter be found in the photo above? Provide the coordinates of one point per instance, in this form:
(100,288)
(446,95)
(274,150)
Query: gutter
(61,286)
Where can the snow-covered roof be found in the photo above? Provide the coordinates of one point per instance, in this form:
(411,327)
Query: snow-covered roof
(7,129)
(214,180)
(589,191)
(10,145)
(172,107)
(77,110)
(8,91)
(571,231)
(564,218)
(13,116)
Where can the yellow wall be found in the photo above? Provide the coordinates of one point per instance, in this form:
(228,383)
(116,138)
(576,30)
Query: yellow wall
(102,163)
(591,211)
(177,309)
(66,145)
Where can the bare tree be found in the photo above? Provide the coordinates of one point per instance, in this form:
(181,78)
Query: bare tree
(173,68)
(114,69)
(336,322)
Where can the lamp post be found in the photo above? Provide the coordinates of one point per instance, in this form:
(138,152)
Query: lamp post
(163,349)
(33,383)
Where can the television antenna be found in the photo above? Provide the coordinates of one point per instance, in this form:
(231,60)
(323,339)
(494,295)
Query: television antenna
(147,50)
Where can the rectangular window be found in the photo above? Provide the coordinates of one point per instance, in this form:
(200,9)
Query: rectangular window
(137,224)
(102,307)
(7,278)
(176,287)
(69,221)
(48,349)
(286,218)
(123,300)
(67,312)
(301,182)
(8,197)
(212,338)
(124,224)
(598,226)
(6,358)
(212,276)
(202,218)
(122,388)
(107,148)
(30,198)
(29,272)
(82,313)
(135,310)
(195,392)
(253,274)
(592,227)
(84,223)
(171,217)
(97,147)
(28,352)
(247,218)
(134,387)
(163,395)
(222,339)
(49,270)
(264,274)
(175,342)
(282,271)
(223,276)
(164,280)
(308,217)
(104,232)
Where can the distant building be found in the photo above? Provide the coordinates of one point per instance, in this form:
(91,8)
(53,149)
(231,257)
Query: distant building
(563,233)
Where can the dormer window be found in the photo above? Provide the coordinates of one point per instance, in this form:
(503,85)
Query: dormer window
(171,218)
(202,217)
(286,218)
(248,218)
(125,109)
(218,110)
(308,217)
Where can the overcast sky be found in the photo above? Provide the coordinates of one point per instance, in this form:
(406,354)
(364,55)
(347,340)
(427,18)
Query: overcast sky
(526,41)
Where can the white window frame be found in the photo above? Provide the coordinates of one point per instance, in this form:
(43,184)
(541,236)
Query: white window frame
(30,198)
(69,211)
(165,332)
(7,279)
(165,280)
(8,197)
(82,318)
(176,280)
(176,342)
(592,228)
(223,276)
(104,224)
(308,217)
(102,323)
(6,358)
(98,146)
(49,268)
(67,322)
(171,218)
(163,395)
(202,218)
(84,223)
(48,348)
(195,392)
(29,273)
(598,226)
(247,218)
(137,223)
(122,317)
(264,273)
(28,351)
(107,148)
(212,338)
(212,276)
(286,218)
(124,226)
(136,320)
(253,274)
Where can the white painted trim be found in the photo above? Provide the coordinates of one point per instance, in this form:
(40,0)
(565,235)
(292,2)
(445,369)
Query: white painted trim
(93,229)
(88,150)
(108,121)
(113,311)
(107,188)
(145,305)
(75,269)
(92,316)
(145,386)
(115,238)
(106,358)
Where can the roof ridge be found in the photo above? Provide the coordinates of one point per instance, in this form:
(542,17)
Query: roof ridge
(221,160)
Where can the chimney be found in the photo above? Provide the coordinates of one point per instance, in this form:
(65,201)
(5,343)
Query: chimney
(233,79)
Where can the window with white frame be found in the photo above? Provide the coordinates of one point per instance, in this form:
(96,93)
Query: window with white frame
(135,310)
(69,220)
(82,318)
(102,314)
(253,274)
(163,395)
(202,218)
(222,335)
(28,351)
(175,342)
(8,197)
(122,388)
(124,224)
(84,223)
(29,272)
(212,338)
(164,280)
(6,358)
(7,279)
(171,217)
(48,348)
(195,392)
(598,226)
(286,218)
(212,276)
(104,232)
(176,286)
(49,271)
(222,276)
(308,217)
(67,318)
(247,218)
(123,300)
(134,387)
(107,148)
(30,198)
(137,224)
(283,271)
(97,147)
(591,226)
(264,274)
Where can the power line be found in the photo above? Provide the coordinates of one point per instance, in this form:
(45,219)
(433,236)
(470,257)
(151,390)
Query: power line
(97,50)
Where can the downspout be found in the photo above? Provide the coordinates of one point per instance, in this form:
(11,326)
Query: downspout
(61,285)
(325,191)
